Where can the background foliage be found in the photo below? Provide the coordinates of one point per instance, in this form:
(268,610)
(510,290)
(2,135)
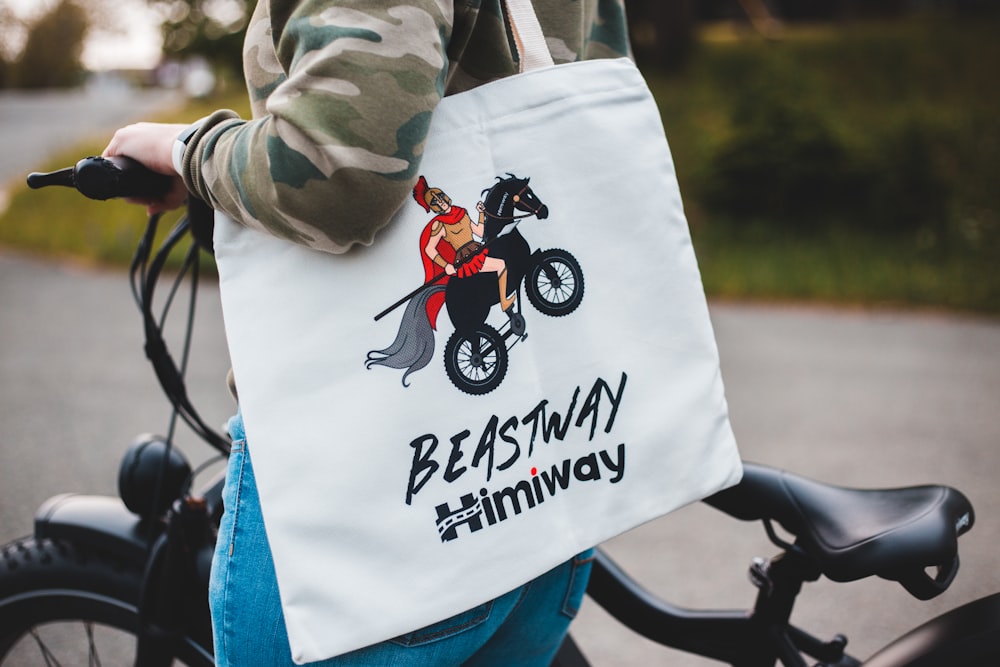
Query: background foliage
(211,29)
(844,154)
(850,157)
(50,55)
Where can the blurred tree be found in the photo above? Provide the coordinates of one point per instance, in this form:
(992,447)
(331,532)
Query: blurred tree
(662,31)
(51,54)
(761,17)
(8,23)
(212,29)
(977,7)
(785,159)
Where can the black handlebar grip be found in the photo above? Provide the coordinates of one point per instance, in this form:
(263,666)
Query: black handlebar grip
(62,177)
(107,178)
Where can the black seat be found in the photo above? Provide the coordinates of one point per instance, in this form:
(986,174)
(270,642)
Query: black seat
(856,533)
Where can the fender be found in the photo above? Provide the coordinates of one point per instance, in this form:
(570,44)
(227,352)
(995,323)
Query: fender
(962,633)
(173,603)
(101,522)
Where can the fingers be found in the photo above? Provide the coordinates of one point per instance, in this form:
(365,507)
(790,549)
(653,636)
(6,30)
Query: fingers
(151,144)
(148,143)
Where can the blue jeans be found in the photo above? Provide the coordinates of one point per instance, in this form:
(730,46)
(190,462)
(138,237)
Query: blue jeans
(523,627)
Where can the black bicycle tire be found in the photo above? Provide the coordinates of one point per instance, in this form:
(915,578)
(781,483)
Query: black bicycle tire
(48,581)
(453,364)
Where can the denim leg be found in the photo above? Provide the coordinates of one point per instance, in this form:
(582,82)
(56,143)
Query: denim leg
(532,633)
(523,627)
(247,624)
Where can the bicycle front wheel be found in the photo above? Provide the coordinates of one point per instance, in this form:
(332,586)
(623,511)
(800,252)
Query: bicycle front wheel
(63,604)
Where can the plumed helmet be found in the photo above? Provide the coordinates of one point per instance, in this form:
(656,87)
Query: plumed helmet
(424,195)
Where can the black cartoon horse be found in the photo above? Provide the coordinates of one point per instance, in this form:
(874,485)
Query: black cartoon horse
(476,354)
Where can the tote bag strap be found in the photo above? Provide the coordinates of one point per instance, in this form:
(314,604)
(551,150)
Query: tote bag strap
(528,37)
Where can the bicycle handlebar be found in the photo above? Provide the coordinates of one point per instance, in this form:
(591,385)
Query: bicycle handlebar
(106,178)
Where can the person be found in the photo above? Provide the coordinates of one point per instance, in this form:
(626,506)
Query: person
(342,93)
(453,225)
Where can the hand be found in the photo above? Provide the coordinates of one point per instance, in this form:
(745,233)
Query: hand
(449,269)
(151,145)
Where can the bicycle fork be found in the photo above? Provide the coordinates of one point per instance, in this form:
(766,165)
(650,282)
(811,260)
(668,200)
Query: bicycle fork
(180,560)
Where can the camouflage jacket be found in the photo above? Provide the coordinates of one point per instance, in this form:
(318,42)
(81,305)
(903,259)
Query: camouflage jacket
(342,93)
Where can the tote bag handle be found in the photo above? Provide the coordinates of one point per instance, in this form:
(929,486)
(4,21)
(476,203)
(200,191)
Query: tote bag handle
(528,37)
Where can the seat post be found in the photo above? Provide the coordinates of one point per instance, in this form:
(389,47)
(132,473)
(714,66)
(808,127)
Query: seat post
(779,582)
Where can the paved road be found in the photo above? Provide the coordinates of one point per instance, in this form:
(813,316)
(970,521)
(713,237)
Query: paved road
(855,397)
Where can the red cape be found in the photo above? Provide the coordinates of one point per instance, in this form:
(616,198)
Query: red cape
(432,270)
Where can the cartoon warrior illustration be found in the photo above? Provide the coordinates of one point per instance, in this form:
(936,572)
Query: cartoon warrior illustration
(470,267)
(453,226)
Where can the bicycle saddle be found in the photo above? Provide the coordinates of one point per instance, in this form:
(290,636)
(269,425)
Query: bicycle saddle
(856,533)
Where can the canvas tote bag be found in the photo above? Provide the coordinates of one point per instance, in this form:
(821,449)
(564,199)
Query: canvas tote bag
(418,450)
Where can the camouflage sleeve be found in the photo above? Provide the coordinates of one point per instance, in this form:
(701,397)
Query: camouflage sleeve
(343,96)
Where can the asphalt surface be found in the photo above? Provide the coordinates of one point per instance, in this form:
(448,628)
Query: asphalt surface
(34,125)
(869,398)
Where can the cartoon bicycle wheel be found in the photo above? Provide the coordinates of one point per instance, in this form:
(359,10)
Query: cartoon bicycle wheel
(554,283)
(476,359)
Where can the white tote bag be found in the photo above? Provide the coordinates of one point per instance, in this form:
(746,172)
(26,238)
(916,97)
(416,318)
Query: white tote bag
(419,450)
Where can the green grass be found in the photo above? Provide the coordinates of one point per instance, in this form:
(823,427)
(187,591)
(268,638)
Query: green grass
(907,115)
(757,262)
(909,110)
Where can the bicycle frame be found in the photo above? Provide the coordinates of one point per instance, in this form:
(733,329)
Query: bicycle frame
(742,638)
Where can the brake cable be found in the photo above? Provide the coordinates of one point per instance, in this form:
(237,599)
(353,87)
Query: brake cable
(144,272)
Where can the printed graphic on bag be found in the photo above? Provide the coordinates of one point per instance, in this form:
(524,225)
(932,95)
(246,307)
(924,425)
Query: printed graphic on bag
(470,267)
(501,445)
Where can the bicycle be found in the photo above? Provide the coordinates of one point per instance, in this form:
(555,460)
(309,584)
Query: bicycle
(139,563)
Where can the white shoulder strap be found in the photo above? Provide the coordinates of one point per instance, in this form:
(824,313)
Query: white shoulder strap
(531,46)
